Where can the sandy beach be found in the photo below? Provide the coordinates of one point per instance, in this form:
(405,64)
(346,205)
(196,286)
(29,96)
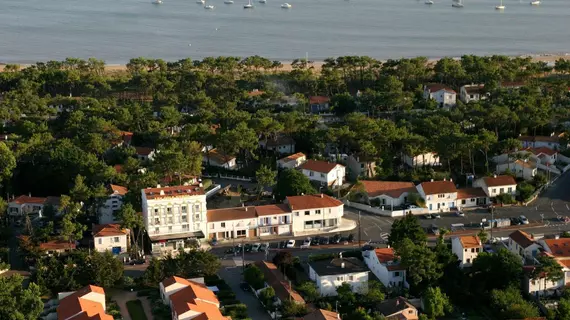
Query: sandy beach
(317,65)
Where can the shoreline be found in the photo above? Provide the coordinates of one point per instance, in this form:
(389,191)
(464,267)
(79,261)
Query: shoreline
(317,64)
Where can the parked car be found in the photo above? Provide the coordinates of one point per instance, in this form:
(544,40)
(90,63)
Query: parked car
(437,216)
(291,244)
(325,240)
(306,243)
(263,247)
(336,238)
(255,247)
(316,241)
(245,287)
(515,221)
(523,219)
(460,214)
(248,247)
(434,229)
(411,206)
(428,216)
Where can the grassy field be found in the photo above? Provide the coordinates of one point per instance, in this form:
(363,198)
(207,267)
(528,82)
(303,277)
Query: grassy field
(136,310)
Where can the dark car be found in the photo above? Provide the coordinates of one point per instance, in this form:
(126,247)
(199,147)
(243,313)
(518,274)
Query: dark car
(248,247)
(515,221)
(368,247)
(325,240)
(282,244)
(350,237)
(316,241)
(336,238)
(245,287)
(230,250)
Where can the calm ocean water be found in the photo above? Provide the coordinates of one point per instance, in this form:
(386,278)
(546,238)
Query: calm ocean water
(117,30)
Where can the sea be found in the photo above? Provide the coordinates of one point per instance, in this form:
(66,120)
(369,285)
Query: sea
(118,30)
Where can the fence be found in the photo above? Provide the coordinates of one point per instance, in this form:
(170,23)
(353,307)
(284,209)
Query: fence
(381,211)
(228,176)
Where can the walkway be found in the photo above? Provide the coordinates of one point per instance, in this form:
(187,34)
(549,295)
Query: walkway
(121,297)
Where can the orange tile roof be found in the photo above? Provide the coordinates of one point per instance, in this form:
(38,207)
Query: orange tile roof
(318,99)
(319,166)
(543,150)
(127,136)
(255,93)
(219,156)
(321,314)
(23,199)
(525,164)
(174,279)
(435,87)
(143,151)
(560,248)
(198,298)
(76,307)
(278,282)
(470,242)
(293,157)
(385,254)
(438,187)
(393,189)
(468,193)
(57,245)
(522,238)
(272,209)
(120,190)
(108,230)
(235,213)
(172,192)
(503,180)
(312,202)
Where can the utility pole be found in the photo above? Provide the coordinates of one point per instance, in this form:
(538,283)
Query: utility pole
(359,229)
(492,220)
(243,255)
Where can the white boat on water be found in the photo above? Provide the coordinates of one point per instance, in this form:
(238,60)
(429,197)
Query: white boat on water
(228,1)
(457,4)
(248,5)
(500,7)
(157,2)
(535,3)
(209,7)
(201,1)
(430,2)
(286,6)
(262,1)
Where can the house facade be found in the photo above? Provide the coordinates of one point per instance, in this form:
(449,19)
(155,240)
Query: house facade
(110,237)
(332,273)
(386,267)
(315,212)
(554,141)
(471,197)
(292,161)
(439,196)
(520,168)
(425,159)
(466,248)
(360,167)
(216,158)
(321,314)
(323,172)
(274,219)
(388,193)
(397,308)
(523,245)
(174,215)
(281,144)
(113,204)
(496,185)
(85,303)
(232,223)
(319,105)
(23,205)
(443,95)
(145,154)
(472,92)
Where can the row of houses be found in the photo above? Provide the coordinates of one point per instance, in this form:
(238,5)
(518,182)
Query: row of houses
(446,97)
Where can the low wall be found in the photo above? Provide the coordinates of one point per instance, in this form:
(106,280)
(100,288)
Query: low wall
(563,158)
(213,191)
(228,176)
(379,211)
(548,168)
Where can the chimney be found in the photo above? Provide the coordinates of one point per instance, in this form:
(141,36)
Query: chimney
(29,194)
(158,186)
(342,265)
(494,176)
(340,255)
(322,196)
(444,179)
(161,192)
(431,180)
(388,246)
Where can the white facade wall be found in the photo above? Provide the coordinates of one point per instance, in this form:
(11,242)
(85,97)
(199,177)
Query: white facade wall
(327,285)
(389,202)
(541,286)
(16,209)
(389,278)
(322,218)
(528,252)
(438,202)
(283,222)
(468,97)
(103,244)
(445,99)
(327,178)
(425,159)
(172,215)
(239,227)
(465,255)
(291,164)
(106,212)
(165,293)
(518,170)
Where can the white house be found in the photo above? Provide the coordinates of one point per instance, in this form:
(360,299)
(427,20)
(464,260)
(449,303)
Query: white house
(85,303)
(281,144)
(424,159)
(23,205)
(323,172)
(330,274)
(520,168)
(274,219)
(292,161)
(544,155)
(439,196)
(471,197)
(496,185)
(386,267)
(466,248)
(189,299)
(539,285)
(397,308)
(388,193)
(217,158)
(472,92)
(174,215)
(360,166)
(554,141)
(144,153)
(315,212)
(559,249)
(443,95)
(523,244)
(113,203)
(230,223)
(110,237)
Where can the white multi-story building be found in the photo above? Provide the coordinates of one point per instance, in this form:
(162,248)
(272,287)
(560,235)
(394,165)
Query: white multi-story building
(274,219)
(330,274)
(174,215)
(110,237)
(323,172)
(466,248)
(439,196)
(315,212)
(113,203)
(386,267)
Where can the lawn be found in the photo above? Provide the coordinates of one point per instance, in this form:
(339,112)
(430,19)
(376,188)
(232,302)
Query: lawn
(136,310)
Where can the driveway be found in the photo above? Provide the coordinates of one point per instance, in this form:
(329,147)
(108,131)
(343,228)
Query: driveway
(232,275)
(121,297)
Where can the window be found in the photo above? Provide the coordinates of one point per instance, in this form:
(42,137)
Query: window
(170,220)
(340,278)
(468,261)
(472,250)
(351,278)
(156,220)
(329,210)
(223,224)
(184,218)
(197,208)
(318,211)
(116,239)
(472,199)
(184,227)
(322,175)
(510,189)
(241,233)
(169,210)
(494,190)
(197,217)
(307,213)
(296,214)
(397,274)
(463,201)
(501,190)
(156,230)
(184,209)
(170,228)
(100,240)
(311,173)
(470,96)
(155,211)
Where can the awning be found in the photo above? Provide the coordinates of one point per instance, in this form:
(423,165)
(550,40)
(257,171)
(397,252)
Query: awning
(178,236)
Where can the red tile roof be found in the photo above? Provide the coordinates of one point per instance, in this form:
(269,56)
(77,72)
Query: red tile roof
(172,192)
(469,193)
(255,93)
(127,137)
(120,190)
(475,88)
(385,254)
(57,245)
(292,157)
(278,282)
(470,242)
(319,166)
(522,238)
(438,187)
(195,297)
(560,248)
(321,314)
(312,202)
(174,279)
(393,189)
(143,151)
(435,87)
(499,181)
(76,307)
(272,209)
(219,156)
(543,150)
(319,99)
(23,199)
(108,230)
(227,214)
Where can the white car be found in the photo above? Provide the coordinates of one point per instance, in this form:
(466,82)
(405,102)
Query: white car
(255,247)
(306,243)
(291,244)
(523,220)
